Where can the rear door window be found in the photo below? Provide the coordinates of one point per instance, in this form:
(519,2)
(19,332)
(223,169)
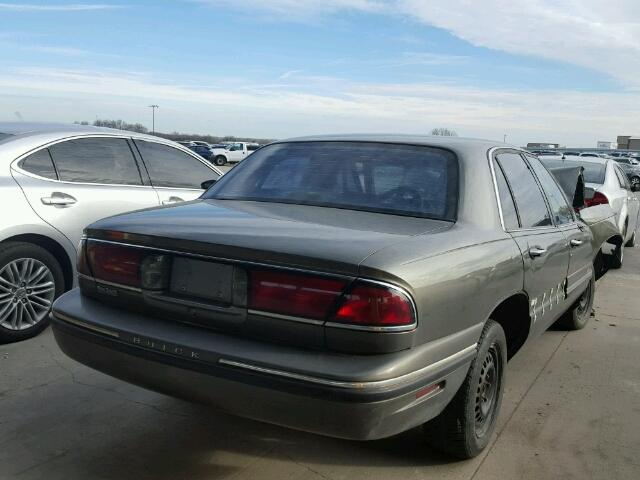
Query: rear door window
(622,178)
(96,160)
(39,163)
(173,168)
(529,200)
(562,212)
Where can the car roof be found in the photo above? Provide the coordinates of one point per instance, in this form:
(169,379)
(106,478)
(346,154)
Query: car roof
(459,145)
(61,130)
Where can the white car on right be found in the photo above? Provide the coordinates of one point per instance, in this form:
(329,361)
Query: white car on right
(606,183)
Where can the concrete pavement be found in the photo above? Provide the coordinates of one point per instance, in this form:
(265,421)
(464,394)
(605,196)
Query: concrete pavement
(571,410)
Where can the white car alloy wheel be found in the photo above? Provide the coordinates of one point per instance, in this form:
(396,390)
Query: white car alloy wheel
(27,290)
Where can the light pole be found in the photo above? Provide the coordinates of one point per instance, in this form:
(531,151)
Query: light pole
(153,117)
(504,138)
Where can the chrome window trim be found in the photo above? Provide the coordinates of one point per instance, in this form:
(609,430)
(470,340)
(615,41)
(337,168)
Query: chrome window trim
(459,356)
(546,197)
(491,155)
(14,163)
(392,286)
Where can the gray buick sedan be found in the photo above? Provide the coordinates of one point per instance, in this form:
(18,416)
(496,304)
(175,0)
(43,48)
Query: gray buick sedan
(353,286)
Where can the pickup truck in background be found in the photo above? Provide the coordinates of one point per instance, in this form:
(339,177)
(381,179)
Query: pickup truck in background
(234,153)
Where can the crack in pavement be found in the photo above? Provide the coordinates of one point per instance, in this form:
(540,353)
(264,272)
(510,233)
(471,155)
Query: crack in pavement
(306,467)
(542,370)
(75,380)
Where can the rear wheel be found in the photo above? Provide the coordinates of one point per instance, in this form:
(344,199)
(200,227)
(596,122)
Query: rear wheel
(578,316)
(220,160)
(465,426)
(30,280)
(635,182)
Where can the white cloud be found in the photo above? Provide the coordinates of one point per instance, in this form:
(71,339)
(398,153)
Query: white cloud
(597,34)
(577,118)
(69,7)
(297,10)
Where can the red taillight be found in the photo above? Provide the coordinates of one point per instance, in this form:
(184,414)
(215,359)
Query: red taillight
(294,294)
(597,199)
(375,305)
(321,298)
(81,262)
(115,263)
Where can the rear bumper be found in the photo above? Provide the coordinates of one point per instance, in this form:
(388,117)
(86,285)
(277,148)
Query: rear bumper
(238,384)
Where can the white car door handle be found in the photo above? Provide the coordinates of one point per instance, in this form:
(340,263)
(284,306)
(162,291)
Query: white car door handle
(58,199)
(172,200)
(537,251)
(575,242)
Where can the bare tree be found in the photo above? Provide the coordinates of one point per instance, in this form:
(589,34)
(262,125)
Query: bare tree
(445,132)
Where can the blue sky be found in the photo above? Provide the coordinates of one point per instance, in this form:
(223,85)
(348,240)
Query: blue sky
(537,71)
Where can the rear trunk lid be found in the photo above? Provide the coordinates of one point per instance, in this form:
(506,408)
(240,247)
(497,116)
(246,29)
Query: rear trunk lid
(297,236)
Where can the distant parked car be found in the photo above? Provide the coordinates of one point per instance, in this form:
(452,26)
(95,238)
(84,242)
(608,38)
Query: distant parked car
(354,286)
(235,152)
(55,180)
(205,152)
(606,183)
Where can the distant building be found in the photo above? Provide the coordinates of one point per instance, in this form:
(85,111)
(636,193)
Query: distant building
(629,142)
(542,145)
(606,145)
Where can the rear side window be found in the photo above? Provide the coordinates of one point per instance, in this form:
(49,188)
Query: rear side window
(622,178)
(397,179)
(39,163)
(509,213)
(96,160)
(527,195)
(252,148)
(173,168)
(561,210)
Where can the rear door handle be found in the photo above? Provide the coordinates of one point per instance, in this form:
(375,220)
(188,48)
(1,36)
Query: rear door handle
(58,199)
(575,242)
(172,200)
(537,252)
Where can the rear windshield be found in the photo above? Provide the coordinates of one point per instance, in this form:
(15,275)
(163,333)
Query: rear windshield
(386,178)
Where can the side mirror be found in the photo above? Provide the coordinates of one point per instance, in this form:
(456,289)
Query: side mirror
(207,184)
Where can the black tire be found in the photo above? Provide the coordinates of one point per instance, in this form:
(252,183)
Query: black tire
(578,315)
(635,182)
(632,241)
(220,160)
(10,252)
(615,260)
(465,426)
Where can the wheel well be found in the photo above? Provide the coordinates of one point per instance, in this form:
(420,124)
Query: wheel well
(513,316)
(52,247)
(615,240)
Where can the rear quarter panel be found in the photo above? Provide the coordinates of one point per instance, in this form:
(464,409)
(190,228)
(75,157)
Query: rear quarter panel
(458,287)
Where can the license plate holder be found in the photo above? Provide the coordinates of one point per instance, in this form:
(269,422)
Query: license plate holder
(198,278)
